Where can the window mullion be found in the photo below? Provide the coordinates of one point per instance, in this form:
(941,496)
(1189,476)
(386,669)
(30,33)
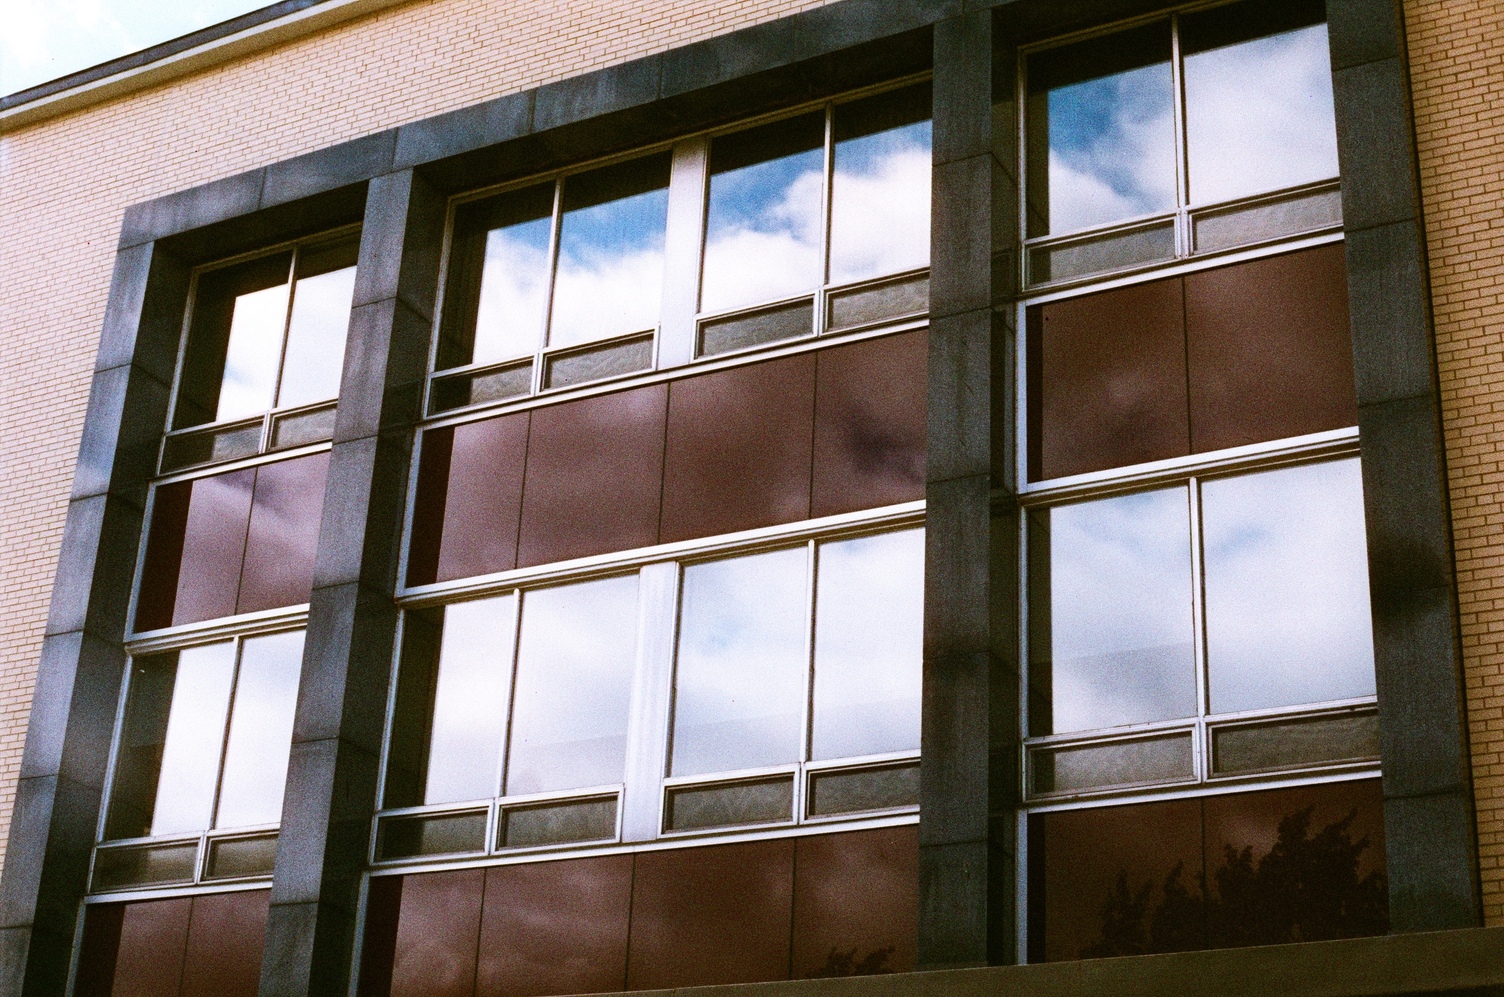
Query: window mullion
(1198,618)
(555,224)
(683,241)
(510,695)
(1182,166)
(652,696)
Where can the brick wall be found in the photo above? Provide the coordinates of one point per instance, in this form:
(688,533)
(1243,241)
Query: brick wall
(1457,75)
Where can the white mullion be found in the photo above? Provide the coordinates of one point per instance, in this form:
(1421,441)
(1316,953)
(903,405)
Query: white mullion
(1182,161)
(825,227)
(652,695)
(806,732)
(556,222)
(514,662)
(1198,617)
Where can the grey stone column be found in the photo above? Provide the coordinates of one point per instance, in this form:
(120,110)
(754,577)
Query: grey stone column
(1429,822)
(969,773)
(347,659)
(61,784)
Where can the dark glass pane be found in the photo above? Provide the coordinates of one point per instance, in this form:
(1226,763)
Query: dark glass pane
(880,185)
(1258,98)
(559,823)
(144,865)
(408,741)
(98,949)
(610,267)
(762,234)
(1107,381)
(153,937)
(1117,250)
(494,385)
(749,329)
(863,790)
(856,903)
(1101,132)
(1123,763)
(739,681)
(226,934)
(205,446)
(1121,880)
(318,324)
(1302,864)
(869,444)
(143,731)
(697,808)
(1287,613)
(306,427)
(1295,743)
(1270,351)
(378,947)
(213,546)
(711,915)
(234,341)
(575,660)
(437,933)
(584,366)
(1264,220)
(1110,630)
(260,738)
(496,288)
(555,928)
(283,537)
(470,696)
(738,453)
(237,858)
(440,834)
(594,476)
(875,303)
(869,645)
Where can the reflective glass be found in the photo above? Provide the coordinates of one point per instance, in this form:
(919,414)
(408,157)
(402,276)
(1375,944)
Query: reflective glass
(610,270)
(880,186)
(1111,634)
(739,683)
(255,348)
(762,235)
(320,321)
(470,700)
(1287,614)
(1258,91)
(869,647)
(266,692)
(574,686)
(513,277)
(195,734)
(1101,131)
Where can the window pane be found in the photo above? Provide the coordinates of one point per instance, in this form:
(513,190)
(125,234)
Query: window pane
(320,321)
(195,732)
(266,692)
(869,648)
(880,187)
(762,236)
(610,252)
(574,686)
(1258,89)
(1111,634)
(1101,131)
(251,358)
(1287,617)
(227,374)
(739,685)
(470,700)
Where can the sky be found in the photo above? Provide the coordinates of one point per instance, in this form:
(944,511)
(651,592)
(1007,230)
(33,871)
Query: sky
(45,39)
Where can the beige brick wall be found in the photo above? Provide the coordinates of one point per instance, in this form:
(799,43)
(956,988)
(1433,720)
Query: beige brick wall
(1457,76)
(65,182)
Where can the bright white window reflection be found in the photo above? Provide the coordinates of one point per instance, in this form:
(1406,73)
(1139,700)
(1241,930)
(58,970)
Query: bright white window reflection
(316,338)
(255,347)
(574,685)
(743,657)
(869,625)
(194,738)
(1287,606)
(256,753)
(880,186)
(470,700)
(1118,628)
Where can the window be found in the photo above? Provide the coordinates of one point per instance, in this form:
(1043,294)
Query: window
(200,763)
(813,223)
(768,688)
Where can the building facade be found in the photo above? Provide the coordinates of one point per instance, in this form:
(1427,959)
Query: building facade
(583,498)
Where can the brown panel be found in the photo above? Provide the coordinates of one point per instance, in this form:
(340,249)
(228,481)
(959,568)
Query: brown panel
(1118,880)
(856,902)
(225,936)
(383,910)
(219,510)
(284,533)
(164,556)
(437,932)
(1299,864)
(738,453)
(711,915)
(869,424)
(594,476)
(466,520)
(555,928)
(153,936)
(97,951)
(1270,349)
(1107,380)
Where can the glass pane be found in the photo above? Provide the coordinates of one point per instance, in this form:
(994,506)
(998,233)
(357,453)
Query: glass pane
(226,298)
(762,235)
(749,329)
(320,321)
(442,834)
(195,733)
(1101,131)
(254,349)
(878,302)
(574,686)
(156,865)
(1123,763)
(859,790)
(1110,604)
(1258,92)
(559,823)
(266,693)
(869,645)
(880,186)
(470,700)
(1295,743)
(695,808)
(235,858)
(1287,616)
(739,683)
(610,252)
(584,366)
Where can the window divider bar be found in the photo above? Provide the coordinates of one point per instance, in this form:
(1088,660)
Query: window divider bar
(684,236)
(652,696)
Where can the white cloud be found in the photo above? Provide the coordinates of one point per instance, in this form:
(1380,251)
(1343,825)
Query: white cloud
(880,217)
